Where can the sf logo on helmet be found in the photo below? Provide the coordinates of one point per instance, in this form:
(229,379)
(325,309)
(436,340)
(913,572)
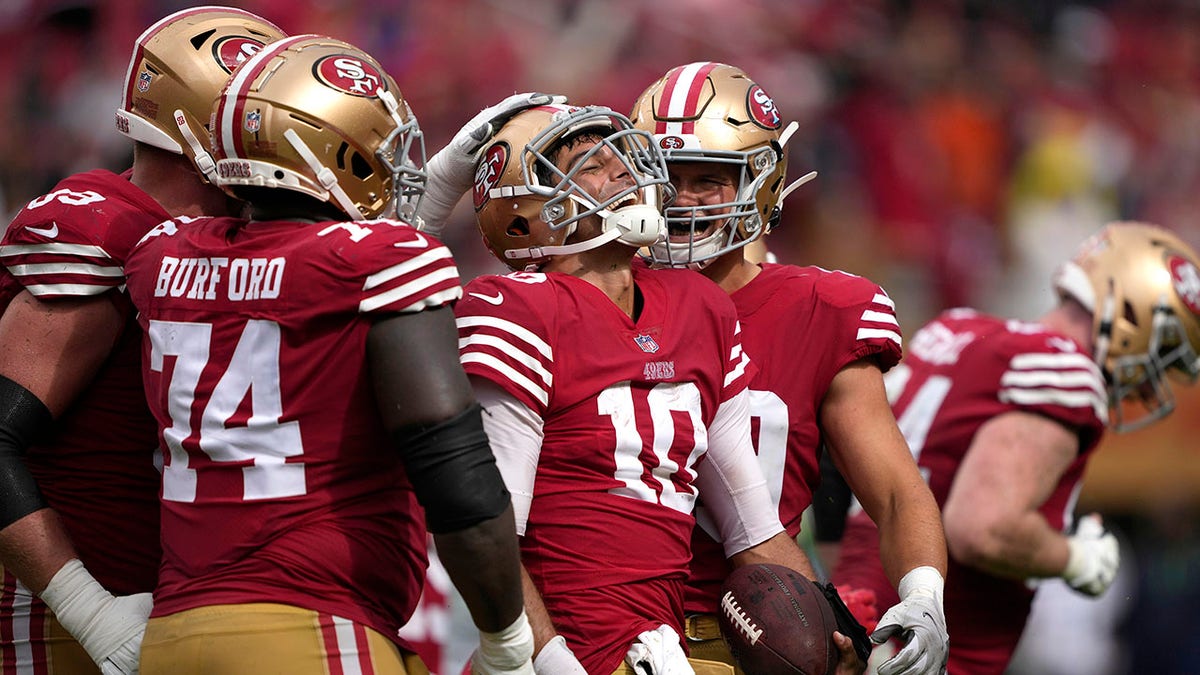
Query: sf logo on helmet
(670,143)
(762,108)
(233,51)
(488,172)
(1186,280)
(349,74)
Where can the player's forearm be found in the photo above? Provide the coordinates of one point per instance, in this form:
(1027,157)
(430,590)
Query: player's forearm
(482,561)
(1020,547)
(912,535)
(779,550)
(34,548)
(539,617)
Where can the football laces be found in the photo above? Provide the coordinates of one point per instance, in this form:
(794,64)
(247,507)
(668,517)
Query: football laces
(744,624)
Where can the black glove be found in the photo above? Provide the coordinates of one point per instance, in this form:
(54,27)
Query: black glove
(846,623)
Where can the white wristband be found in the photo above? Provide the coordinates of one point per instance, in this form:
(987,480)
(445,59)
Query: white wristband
(508,647)
(922,579)
(556,658)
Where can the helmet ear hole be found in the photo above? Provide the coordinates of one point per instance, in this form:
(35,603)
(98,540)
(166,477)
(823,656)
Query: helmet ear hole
(199,40)
(519,227)
(360,167)
(1130,313)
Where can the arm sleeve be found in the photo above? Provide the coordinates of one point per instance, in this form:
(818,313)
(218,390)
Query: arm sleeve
(515,433)
(732,484)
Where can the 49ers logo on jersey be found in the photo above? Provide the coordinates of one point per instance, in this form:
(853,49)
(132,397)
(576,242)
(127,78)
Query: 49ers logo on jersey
(487,175)
(1186,280)
(349,74)
(762,108)
(233,51)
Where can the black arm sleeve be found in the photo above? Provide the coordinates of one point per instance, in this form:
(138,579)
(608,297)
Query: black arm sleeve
(830,502)
(453,471)
(23,418)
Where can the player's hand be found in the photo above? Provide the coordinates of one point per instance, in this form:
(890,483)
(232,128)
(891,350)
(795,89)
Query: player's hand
(451,172)
(920,622)
(556,658)
(506,652)
(848,661)
(110,628)
(658,652)
(1095,557)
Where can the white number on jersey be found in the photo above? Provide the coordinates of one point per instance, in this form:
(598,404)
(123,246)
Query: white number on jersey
(68,197)
(264,441)
(616,402)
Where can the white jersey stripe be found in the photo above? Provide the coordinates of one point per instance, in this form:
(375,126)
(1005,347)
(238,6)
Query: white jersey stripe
(868,333)
(881,299)
(436,300)
(22,629)
(1063,361)
(65,268)
(54,249)
(407,267)
(1067,399)
(738,370)
(511,351)
(347,645)
(880,317)
(67,289)
(1069,379)
(373,302)
(508,373)
(517,331)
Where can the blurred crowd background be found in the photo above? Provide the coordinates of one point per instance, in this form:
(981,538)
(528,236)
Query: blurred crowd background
(964,147)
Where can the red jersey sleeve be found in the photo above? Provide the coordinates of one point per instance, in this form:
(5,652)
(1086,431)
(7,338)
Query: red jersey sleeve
(503,338)
(411,271)
(71,242)
(865,315)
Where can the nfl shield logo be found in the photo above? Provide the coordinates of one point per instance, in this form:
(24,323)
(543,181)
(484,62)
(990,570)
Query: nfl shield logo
(647,343)
(253,121)
(143,82)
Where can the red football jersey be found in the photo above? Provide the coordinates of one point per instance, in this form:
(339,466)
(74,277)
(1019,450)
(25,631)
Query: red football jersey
(279,482)
(800,326)
(626,407)
(98,469)
(962,370)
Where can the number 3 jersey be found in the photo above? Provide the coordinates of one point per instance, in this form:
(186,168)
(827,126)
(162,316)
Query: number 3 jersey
(963,369)
(279,482)
(800,327)
(626,407)
(97,469)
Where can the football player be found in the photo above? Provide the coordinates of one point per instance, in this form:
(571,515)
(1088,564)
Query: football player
(314,418)
(613,394)
(1003,416)
(78,487)
(821,340)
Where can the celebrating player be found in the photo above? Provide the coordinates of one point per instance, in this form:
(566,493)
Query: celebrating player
(302,370)
(821,340)
(78,488)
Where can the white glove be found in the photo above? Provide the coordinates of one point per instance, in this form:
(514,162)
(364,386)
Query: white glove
(110,628)
(920,622)
(556,658)
(506,652)
(451,172)
(658,652)
(1095,557)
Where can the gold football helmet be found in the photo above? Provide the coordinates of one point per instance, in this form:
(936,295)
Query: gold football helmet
(321,117)
(178,66)
(713,112)
(1142,285)
(528,208)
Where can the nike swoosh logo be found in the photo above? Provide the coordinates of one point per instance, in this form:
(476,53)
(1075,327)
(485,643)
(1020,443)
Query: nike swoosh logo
(490,299)
(47,232)
(419,242)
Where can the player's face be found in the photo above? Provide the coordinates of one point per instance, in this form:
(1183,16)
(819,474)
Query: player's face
(700,184)
(601,174)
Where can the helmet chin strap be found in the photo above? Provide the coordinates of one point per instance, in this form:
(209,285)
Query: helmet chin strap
(324,175)
(204,161)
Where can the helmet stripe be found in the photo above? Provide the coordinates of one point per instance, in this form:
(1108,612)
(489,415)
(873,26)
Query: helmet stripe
(681,96)
(233,100)
(154,29)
